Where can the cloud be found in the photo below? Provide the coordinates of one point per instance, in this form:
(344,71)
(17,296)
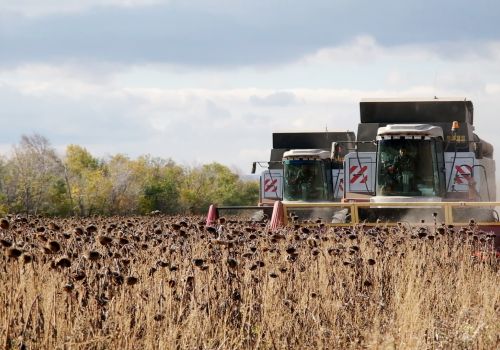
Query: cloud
(226,33)
(180,124)
(215,112)
(183,114)
(277,99)
(37,8)
(366,49)
(492,89)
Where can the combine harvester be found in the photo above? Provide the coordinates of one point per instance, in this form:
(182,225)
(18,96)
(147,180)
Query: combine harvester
(413,161)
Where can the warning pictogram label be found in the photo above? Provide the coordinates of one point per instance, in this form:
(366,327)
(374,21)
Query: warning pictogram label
(358,174)
(271,185)
(463,174)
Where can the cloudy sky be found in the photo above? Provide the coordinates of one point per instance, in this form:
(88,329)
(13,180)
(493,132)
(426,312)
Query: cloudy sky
(210,80)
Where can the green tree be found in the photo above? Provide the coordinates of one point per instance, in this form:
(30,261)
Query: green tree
(86,180)
(36,181)
(161,185)
(125,185)
(58,203)
(35,167)
(4,187)
(246,193)
(215,183)
(97,189)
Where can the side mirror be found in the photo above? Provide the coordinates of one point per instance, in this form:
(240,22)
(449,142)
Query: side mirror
(254,167)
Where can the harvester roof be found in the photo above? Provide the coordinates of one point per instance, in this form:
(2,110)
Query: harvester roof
(418,130)
(306,154)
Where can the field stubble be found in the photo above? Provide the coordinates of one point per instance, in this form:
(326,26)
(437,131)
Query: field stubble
(170,283)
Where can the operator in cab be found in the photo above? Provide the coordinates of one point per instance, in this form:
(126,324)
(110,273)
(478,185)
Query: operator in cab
(403,162)
(400,173)
(302,182)
(404,168)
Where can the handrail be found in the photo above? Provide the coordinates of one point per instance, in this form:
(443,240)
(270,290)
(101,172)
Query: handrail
(244,207)
(447,207)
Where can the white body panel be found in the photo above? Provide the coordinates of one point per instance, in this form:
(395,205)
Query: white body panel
(463,171)
(470,173)
(338,183)
(359,172)
(271,185)
(484,173)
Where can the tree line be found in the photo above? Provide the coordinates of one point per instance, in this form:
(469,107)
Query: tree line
(36,180)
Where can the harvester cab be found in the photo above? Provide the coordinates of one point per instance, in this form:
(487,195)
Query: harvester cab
(410,163)
(307,175)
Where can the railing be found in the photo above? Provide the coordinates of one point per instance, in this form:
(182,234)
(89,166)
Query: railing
(266,209)
(456,213)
